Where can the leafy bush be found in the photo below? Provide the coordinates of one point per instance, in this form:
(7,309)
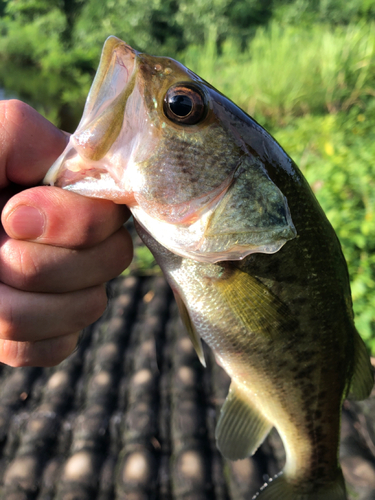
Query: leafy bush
(280,70)
(335,12)
(288,72)
(308,75)
(336,154)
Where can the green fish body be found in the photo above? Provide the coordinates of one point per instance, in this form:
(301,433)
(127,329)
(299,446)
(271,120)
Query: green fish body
(255,266)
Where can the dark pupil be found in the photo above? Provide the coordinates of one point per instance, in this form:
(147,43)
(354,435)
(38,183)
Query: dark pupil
(180,105)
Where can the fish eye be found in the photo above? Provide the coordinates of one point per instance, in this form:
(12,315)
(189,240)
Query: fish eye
(185,103)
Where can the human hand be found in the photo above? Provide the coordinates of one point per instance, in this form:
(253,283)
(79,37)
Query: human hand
(57,248)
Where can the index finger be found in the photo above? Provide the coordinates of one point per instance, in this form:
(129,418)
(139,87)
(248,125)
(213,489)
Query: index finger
(29,144)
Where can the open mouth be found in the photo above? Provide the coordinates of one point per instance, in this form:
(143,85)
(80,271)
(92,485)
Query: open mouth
(82,161)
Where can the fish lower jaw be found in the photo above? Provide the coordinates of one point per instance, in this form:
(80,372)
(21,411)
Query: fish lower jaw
(100,185)
(191,241)
(71,177)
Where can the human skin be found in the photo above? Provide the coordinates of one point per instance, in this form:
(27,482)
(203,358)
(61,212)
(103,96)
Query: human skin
(57,248)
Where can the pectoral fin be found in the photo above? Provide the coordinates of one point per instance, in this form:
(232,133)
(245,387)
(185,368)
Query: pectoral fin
(241,428)
(194,337)
(254,305)
(363,377)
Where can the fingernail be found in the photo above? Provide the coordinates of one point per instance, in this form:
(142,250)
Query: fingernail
(26,223)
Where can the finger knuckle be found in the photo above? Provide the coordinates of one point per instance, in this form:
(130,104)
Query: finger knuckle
(121,252)
(20,267)
(8,327)
(13,109)
(10,323)
(100,220)
(95,305)
(14,353)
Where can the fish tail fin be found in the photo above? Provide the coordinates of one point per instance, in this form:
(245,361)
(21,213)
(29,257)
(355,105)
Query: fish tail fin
(279,489)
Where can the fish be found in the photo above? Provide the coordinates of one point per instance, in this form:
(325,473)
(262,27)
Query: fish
(256,268)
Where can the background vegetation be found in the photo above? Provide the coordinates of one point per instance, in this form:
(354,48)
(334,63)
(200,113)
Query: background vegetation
(305,69)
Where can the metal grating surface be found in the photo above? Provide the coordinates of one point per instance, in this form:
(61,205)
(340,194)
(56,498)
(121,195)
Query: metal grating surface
(131,415)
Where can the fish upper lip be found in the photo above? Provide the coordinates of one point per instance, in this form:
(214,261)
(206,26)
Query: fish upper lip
(116,54)
(105,106)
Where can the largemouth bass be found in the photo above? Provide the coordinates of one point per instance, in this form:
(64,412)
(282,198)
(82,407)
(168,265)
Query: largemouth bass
(255,266)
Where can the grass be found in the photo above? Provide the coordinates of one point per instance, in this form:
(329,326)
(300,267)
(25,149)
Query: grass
(313,88)
(336,154)
(289,72)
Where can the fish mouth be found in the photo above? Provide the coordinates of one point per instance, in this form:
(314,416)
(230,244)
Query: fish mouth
(83,166)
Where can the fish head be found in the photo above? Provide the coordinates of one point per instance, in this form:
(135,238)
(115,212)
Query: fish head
(158,138)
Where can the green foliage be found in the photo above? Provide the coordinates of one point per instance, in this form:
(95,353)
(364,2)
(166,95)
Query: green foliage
(303,68)
(143,263)
(143,24)
(336,154)
(307,12)
(318,102)
(288,72)
(168,26)
(28,10)
(37,63)
(62,40)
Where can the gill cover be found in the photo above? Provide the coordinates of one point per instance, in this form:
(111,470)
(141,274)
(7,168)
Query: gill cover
(250,216)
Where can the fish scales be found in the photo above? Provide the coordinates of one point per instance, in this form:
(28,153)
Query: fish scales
(255,266)
(291,363)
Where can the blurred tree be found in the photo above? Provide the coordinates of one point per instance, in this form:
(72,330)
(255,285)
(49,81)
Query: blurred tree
(144,24)
(71,9)
(38,59)
(305,67)
(323,11)
(61,40)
